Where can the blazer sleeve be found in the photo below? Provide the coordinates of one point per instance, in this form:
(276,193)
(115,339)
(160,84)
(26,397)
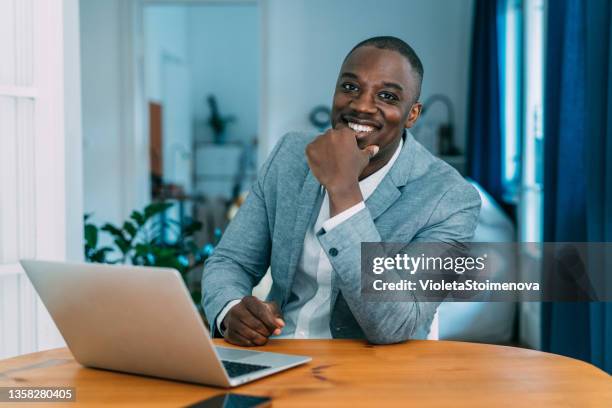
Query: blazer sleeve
(453,220)
(242,256)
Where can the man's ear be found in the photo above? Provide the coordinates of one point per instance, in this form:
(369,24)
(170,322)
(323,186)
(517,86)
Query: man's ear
(413,115)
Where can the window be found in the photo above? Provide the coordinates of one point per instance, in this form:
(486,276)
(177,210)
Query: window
(533,123)
(510,58)
(521,45)
(521,57)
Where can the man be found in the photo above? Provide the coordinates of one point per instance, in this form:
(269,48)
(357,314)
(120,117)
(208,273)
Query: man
(317,199)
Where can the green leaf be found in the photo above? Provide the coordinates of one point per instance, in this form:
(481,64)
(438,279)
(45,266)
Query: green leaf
(192,228)
(142,249)
(138,217)
(91,235)
(114,231)
(130,229)
(99,256)
(123,245)
(155,208)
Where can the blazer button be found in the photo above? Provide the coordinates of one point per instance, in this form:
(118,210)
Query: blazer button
(333,252)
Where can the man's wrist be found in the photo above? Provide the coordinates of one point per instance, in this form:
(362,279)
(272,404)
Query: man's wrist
(223,313)
(343,197)
(338,219)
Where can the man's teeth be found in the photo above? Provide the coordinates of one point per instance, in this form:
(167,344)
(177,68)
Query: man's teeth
(360,128)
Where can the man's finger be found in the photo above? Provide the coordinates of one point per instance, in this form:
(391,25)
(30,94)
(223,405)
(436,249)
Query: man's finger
(250,334)
(371,150)
(255,323)
(262,312)
(233,336)
(275,311)
(279,317)
(236,338)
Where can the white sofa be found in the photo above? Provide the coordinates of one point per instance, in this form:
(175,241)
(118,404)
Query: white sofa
(486,322)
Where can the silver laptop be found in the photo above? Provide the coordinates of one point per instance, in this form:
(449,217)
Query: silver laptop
(142,320)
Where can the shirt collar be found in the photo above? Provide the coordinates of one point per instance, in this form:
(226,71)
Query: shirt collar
(369,184)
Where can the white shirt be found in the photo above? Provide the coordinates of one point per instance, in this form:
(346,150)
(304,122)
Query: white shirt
(307,312)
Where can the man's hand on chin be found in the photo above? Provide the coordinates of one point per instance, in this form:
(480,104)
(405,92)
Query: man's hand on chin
(337,161)
(251,322)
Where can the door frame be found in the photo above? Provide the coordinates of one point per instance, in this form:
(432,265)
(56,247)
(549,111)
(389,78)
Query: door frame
(134,122)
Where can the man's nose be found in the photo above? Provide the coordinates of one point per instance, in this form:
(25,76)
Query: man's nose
(364,103)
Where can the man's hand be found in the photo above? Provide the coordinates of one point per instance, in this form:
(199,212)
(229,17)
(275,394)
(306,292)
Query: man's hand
(337,161)
(251,322)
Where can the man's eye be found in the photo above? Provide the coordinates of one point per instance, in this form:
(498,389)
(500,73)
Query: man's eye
(347,86)
(388,96)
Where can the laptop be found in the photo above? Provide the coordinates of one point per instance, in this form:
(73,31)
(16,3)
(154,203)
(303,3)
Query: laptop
(141,320)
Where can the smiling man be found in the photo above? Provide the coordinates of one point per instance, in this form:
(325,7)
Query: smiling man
(318,198)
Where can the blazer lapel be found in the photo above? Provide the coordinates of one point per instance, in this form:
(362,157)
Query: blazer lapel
(385,194)
(306,206)
(387,191)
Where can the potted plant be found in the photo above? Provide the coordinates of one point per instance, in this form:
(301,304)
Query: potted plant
(142,240)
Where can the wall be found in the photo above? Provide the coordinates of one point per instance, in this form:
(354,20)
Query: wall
(308,39)
(165,35)
(115,141)
(101,73)
(224,44)
(73,130)
(168,81)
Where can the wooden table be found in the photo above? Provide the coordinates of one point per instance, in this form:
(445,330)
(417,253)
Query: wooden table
(349,373)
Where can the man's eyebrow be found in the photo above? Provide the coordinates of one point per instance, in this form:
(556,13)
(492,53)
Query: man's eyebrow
(386,84)
(350,75)
(394,85)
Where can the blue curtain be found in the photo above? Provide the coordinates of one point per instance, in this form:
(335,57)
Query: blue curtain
(484,122)
(577,177)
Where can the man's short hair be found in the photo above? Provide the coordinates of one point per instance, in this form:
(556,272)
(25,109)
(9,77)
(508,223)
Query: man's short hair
(400,46)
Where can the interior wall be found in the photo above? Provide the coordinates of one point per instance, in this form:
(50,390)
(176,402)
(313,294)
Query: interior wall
(165,35)
(101,83)
(168,81)
(73,128)
(308,39)
(225,48)
(115,149)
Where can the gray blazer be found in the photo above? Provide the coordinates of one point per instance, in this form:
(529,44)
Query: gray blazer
(420,199)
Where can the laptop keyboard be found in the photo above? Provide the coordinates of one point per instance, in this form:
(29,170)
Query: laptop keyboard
(235,369)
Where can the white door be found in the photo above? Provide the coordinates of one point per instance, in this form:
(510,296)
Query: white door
(40,167)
